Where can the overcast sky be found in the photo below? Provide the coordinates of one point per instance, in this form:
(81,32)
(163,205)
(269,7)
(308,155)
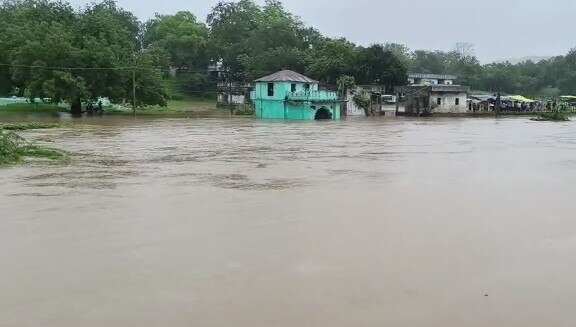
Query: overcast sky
(499,29)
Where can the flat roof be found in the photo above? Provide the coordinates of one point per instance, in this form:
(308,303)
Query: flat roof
(432,88)
(432,76)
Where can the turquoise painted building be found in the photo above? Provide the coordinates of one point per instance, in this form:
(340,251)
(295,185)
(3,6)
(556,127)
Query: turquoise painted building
(290,95)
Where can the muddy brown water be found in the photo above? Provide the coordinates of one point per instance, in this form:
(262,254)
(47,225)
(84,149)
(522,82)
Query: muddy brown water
(236,222)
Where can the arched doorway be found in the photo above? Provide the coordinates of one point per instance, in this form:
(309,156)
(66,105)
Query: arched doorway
(323,113)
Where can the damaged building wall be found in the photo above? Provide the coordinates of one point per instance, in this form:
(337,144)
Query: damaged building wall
(418,100)
(449,102)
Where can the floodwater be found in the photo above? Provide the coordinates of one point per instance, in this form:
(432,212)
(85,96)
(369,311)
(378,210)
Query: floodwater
(236,222)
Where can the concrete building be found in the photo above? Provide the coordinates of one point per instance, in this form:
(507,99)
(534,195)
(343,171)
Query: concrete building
(430,79)
(225,98)
(417,100)
(380,104)
(233,93)
(290,95)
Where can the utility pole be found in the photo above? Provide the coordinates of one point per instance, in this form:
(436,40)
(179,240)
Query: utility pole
(498,103)
(229,77)
(134,87)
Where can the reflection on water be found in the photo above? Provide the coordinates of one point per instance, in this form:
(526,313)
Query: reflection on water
(236,222)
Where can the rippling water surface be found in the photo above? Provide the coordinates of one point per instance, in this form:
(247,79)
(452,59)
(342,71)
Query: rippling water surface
(224,222)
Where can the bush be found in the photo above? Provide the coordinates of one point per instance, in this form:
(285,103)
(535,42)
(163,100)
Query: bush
(556,115)
(244,110)
(177,97)
(362,101)
(14,149)
(30,125)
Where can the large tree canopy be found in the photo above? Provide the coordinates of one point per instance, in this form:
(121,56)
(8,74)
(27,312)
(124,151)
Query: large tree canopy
(54,52)
(183,37)
(51,50)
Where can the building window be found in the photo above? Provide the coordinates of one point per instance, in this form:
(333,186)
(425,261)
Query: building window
(307,87)
(270,89)
(293,88)
(457,102)
(439,101)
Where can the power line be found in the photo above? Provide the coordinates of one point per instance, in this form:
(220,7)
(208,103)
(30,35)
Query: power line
(63,68)
(105,68)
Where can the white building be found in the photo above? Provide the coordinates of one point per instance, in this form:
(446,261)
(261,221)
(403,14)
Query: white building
(430,79)
(433,99)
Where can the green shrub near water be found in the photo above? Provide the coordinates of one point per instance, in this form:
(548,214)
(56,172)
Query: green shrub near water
(32,125)
(177,97)
(556,115)
(244,110)
(15,149)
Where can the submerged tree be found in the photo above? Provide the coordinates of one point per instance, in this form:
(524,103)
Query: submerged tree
(345,84)
(362,100)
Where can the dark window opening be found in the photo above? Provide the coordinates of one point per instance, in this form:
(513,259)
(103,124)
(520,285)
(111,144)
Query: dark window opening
(293,88)
(307,87)
(270,89)
(439,101)
(457,102)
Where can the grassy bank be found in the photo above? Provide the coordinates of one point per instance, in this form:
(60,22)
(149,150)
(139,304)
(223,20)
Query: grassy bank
(34,125)
(185,106)
(31,108)
(14,149)
(181,106)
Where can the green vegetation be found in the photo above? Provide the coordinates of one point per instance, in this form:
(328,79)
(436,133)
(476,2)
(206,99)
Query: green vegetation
(244,110)
(555,115)
(362,100)
(15,149)
(31,107)
(51,50)
(35,125)
(253,41)
(185,105)
(184,38)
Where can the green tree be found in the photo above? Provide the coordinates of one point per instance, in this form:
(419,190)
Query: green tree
(362,100)
(401,51)
(151,84)
(231,23)
(345,83)
(332,58)
(381,66)
(254,40)
(264,63)
(75,56)
(428,62)
(549,93)
(183,37)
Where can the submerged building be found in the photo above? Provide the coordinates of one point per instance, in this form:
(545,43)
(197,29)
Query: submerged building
(417,100)
(290,95)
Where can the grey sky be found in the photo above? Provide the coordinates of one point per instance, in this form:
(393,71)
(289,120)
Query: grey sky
(499,29)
